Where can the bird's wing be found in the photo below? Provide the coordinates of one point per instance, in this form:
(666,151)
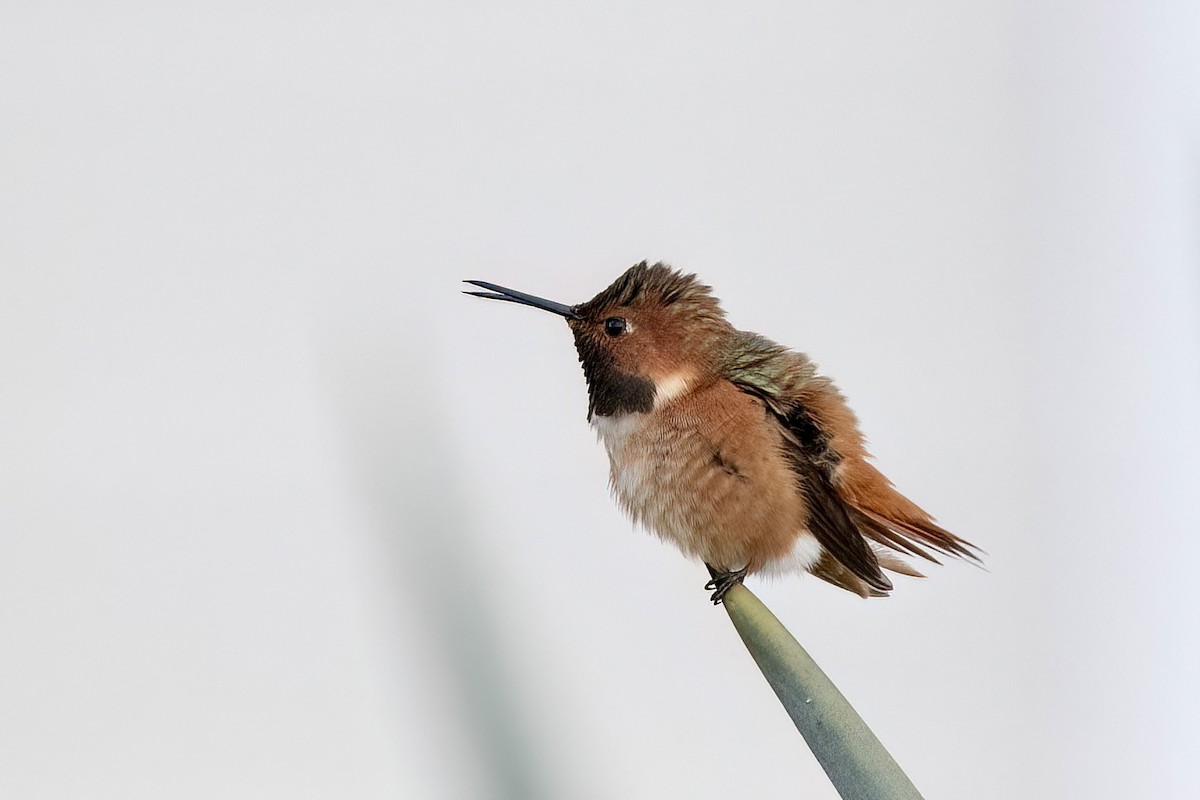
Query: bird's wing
(776,375)
(848,498)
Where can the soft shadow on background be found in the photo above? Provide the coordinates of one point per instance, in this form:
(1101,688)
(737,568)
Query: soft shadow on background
(283,514)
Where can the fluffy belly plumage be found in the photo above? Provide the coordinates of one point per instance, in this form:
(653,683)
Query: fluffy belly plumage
(684,485)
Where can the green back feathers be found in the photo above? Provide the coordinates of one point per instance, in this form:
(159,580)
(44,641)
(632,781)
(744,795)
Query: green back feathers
(768,370)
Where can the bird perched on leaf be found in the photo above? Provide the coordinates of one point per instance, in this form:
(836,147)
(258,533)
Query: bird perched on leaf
(732,447)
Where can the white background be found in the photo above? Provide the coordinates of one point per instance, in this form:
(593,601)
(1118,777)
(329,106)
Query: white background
(283,515)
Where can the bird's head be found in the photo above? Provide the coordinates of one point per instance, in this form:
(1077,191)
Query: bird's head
(646,339)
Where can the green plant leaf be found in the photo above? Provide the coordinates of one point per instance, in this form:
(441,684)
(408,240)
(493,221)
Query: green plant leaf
(851,755)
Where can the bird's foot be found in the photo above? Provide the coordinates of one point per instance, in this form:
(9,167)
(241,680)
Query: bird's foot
(722,582)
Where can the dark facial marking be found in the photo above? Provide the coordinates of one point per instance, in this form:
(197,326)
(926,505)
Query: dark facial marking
(618,393)
(611,391)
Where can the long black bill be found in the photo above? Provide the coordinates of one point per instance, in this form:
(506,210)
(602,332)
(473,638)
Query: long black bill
(513,296)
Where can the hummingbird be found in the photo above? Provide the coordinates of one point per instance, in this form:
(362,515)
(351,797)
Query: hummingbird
(734,448)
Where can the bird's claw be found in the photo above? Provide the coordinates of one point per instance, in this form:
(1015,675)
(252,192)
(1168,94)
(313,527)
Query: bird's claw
(723,581)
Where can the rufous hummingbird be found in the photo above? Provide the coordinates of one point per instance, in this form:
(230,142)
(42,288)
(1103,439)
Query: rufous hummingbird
(732,447)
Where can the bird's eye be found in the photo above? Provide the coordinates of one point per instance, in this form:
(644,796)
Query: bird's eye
(614,326)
